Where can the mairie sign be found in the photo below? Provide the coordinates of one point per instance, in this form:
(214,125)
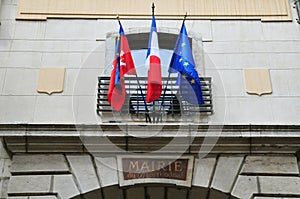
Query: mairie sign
(155,169)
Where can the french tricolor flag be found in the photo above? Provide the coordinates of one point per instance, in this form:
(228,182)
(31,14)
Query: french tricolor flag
(154,85)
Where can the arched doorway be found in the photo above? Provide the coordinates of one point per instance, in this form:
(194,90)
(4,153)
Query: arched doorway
(154,191)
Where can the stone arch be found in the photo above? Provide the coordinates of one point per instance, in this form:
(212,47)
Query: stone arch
(138,39)
(154,191)
(59,176)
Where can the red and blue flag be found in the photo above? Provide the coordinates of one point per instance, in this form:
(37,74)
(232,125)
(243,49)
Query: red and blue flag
(123,64)
(154,85)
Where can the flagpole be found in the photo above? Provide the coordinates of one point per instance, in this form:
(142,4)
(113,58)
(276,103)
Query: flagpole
(153,8)
(164,94)
(148,118)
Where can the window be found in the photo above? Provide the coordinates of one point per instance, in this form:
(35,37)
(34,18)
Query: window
(139,58)
(174,107)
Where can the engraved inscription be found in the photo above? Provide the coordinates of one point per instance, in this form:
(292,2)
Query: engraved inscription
(138,168)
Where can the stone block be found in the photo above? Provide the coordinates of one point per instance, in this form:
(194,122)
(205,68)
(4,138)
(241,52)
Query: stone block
(285,82)
(215,61)
(5,172)
(104,26)
(94,59)
(203,27)
(54,109)
(280,31)
(65,186)
(21,197)
(221,113)
(83,87)
(251,47)
(274,165)
(71,29)
(8,12)
(107,170)
(232,86)
(279,185)
(30,29)
(285,110)
(263,110)
(39,163)
(3,188)
(226,171)
(7,29)
(10,107)
(284,61)
(5,45)
(27,60)
(85,112)
(40,46)
(20,81)
(42,197)
(203,169)
(3,153)
(85,46)
(2,78)
(227,30)
(84,171)
(63,60)
(245,187)
(38,184)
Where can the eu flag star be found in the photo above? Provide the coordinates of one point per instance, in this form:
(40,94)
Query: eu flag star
(186,63)
(184,76)
(183,44)
(193,81)
(180,60)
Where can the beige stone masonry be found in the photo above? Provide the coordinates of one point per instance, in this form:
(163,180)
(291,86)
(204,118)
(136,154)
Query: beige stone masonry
(266,10)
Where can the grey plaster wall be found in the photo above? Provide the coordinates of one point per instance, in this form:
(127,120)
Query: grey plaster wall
(79,46)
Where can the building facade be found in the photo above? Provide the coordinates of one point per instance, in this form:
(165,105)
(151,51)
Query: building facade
(57,142)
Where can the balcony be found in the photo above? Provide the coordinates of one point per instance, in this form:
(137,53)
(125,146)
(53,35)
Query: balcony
(174,108)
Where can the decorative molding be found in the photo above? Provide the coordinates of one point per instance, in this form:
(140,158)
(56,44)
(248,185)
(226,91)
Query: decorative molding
(255,139)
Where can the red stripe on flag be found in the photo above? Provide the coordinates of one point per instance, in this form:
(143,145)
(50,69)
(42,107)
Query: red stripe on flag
(154,86)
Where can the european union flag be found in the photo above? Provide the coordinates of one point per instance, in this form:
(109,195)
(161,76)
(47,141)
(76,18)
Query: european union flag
(182,61)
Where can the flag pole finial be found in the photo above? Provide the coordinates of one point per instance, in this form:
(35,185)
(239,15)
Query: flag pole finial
(153,7)
(118,18)
(185,16)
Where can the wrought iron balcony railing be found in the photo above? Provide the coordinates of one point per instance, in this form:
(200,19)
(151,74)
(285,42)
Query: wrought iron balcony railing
(174,105)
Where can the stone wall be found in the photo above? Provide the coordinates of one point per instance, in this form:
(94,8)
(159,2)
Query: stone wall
(80,47)
(5,166)
(239,176)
